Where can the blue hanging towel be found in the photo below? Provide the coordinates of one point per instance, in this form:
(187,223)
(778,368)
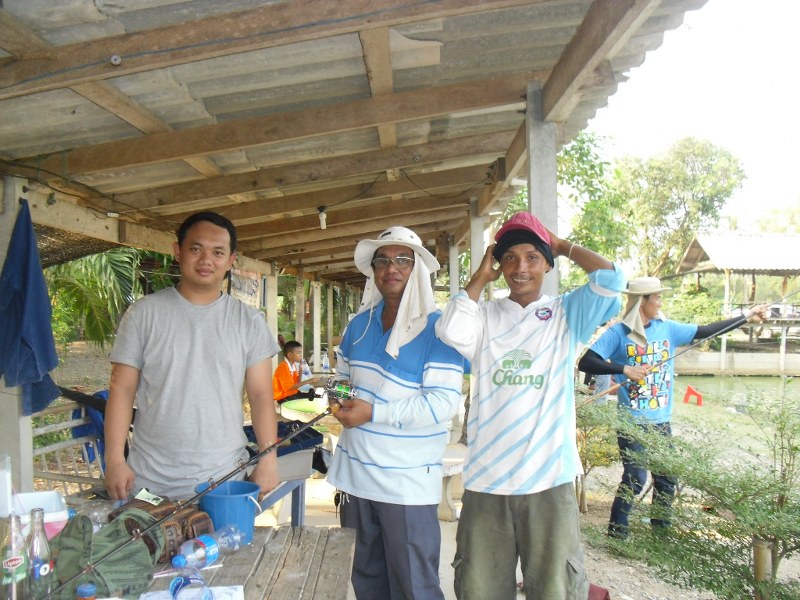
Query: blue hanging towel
(27,348)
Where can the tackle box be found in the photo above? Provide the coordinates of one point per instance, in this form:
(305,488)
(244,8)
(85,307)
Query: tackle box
(294,458)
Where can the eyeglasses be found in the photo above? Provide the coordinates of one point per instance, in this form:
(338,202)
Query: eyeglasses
(401,262)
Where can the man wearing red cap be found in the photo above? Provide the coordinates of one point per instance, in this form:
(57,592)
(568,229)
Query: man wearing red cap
(519,501)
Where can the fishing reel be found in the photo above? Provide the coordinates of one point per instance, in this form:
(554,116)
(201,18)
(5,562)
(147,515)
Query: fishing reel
(336,391)
(339,390)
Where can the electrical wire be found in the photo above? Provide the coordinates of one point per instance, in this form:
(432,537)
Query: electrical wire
(11,164)
(446,196)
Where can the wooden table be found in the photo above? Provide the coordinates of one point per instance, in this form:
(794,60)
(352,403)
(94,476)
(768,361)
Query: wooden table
(286,563)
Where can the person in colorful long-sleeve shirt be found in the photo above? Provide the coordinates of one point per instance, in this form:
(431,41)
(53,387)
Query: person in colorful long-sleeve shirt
(637,352)
(522,458)
(388,462)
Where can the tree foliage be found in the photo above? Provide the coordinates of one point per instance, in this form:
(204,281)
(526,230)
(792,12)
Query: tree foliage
(584,184)
(669,199)
(597,440)
(749,491)
(90,294)
(785,220)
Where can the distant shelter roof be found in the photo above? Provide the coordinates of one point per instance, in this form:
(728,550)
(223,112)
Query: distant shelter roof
(762,254)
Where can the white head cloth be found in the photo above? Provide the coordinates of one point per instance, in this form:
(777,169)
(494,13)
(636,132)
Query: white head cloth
(637,288)
(417,301)
(633,321)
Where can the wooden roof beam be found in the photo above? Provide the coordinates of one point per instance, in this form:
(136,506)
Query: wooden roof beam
(329,169)
(420,223)
(605,28)
(220,35)
(271,129)
(307,228)
(274,213)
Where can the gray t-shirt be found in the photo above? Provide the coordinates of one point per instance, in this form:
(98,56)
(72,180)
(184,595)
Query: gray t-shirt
(192,361)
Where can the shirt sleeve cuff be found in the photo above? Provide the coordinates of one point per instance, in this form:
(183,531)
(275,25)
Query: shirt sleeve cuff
(380,413)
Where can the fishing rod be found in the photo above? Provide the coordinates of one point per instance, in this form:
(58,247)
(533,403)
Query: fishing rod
(735,325)
(336,392)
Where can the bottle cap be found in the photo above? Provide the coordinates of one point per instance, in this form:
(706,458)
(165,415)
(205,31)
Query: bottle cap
(86,590)
(179,561)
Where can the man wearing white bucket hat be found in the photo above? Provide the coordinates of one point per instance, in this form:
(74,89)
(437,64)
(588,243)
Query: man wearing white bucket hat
(388,462)
(637,353)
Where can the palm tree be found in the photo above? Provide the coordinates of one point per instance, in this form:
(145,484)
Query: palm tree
(91,293)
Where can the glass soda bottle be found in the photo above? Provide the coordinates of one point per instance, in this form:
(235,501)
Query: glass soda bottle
(15,580)
(206,549)
(41,562)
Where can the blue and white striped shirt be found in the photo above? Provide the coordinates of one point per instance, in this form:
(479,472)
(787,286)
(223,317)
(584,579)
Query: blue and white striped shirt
(396,458)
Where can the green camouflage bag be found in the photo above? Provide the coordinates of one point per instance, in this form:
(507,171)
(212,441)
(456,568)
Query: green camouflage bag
(126,573)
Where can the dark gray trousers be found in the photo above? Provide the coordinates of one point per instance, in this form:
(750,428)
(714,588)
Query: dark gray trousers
(397,549)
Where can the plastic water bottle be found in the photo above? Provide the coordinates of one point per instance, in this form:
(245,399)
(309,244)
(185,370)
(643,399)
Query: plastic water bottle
(189,583)
(205,549)
(306,371)
(326,363)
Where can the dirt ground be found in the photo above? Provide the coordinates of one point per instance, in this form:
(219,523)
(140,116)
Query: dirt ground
(86,368)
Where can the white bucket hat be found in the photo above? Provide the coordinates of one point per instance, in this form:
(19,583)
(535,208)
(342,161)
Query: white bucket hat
(417,301)
(644,286)
(394,236)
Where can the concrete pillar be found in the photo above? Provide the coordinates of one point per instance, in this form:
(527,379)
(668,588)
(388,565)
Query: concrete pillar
(477,236)
(16,436)
(542,174)
(316,314)
(299,307)
(270,304)
(329,326)
(452,266)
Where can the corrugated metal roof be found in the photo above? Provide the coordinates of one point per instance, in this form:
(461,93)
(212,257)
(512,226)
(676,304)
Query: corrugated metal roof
(769,254)
(384,112)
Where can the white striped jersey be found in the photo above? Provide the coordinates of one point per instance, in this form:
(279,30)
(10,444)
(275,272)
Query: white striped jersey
(521,426)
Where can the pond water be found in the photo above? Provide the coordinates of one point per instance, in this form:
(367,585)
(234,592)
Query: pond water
(729,390)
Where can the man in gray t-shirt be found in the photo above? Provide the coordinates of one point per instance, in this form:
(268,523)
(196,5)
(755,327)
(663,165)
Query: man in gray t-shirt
(183,356)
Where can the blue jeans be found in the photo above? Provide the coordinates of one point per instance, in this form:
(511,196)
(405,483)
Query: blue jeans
(634,476)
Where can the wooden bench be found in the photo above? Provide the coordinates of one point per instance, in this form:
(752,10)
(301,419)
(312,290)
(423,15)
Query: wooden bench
(452,465)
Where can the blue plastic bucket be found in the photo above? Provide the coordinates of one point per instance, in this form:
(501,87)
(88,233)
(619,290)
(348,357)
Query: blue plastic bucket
(232,503)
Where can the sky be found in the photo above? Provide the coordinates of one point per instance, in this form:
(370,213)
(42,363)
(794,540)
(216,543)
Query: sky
(727,75)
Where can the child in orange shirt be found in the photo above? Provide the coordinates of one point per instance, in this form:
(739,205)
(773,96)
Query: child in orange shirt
(286,382)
